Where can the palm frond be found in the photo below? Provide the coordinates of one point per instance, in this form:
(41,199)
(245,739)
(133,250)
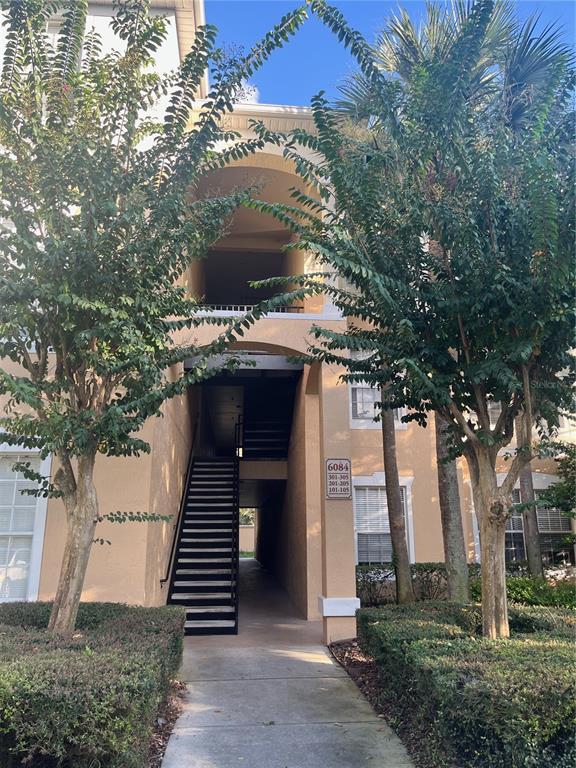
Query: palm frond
(532,60)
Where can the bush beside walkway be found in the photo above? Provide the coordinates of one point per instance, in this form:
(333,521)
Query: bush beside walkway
(375,584)
(90,699)
(480,703)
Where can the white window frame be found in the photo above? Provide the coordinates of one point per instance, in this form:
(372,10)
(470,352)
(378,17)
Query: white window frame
(378,479)
(37,548)
(540,481)
(356,423)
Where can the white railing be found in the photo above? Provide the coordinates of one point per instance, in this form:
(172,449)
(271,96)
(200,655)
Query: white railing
(243,308)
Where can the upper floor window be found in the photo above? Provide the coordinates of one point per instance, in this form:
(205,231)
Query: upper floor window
(363,409)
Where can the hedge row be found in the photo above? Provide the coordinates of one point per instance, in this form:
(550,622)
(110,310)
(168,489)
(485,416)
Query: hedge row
(479,703)
(530,590)
(87,700)
(375,585)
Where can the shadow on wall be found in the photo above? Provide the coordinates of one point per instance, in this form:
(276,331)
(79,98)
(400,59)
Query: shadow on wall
(173,436)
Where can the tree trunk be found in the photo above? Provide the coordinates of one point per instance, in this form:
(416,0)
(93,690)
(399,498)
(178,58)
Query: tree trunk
(529,516)
(404,588)
(451,515)
(491,511)
(82,506)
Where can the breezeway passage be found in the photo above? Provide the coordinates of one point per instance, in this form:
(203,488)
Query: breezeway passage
(272,697)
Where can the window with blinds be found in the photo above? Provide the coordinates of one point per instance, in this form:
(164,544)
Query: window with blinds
(17,520)
(374,543)
(552,529)
(552,520)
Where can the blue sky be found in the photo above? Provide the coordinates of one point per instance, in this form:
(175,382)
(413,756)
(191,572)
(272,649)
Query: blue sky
(314,60)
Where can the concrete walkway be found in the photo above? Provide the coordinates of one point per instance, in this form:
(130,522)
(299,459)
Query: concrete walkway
(272,697)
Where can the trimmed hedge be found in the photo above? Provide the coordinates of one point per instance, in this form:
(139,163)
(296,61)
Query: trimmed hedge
(479,703)
(90,699)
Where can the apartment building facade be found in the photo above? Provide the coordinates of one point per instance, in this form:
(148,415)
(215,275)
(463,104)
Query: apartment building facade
(290,440)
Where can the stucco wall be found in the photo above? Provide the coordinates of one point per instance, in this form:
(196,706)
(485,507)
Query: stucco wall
(290,564)
(416,451)
(122,484)
(173,436)
(247,538)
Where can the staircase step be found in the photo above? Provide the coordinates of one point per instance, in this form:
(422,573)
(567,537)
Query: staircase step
(215,622)
(217,615)
(213,552)
(199,587)
(210,513)
(204,575)
(209,623)
(210,505)
(184,582)
(211,493)
(192,580)
(225,569)
(208,609)
(210,528)
(197,598)
(209,501)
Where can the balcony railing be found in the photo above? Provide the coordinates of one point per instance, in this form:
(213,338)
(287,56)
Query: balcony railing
(244,308)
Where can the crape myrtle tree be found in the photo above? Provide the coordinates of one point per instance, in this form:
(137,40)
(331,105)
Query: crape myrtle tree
(101,217)
(451,230)
(455,559)
(400,48)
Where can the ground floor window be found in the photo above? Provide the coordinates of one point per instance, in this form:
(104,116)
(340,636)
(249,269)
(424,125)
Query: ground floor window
(553,530)
(373,540)
(21,530)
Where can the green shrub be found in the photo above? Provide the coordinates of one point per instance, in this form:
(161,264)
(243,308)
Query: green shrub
(530,590)
(90,699)
(429,580)
(375,584)
(554,622)
(479,703)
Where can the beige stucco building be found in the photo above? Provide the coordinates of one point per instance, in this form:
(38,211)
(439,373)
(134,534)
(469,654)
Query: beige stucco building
(290,440)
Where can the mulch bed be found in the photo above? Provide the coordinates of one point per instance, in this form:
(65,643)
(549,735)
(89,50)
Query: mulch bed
(164,724)
(364,672)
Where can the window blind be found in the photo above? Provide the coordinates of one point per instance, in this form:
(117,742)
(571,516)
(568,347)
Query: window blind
(372,524)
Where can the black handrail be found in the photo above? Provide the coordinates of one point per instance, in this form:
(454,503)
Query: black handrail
(179,524)
(238,437)
(235,569)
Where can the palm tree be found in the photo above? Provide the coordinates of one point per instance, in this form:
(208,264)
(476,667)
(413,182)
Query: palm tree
(512,73)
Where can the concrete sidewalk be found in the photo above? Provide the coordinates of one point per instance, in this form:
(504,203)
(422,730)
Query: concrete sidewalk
(272,697)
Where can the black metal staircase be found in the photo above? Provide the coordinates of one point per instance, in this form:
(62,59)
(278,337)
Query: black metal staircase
(204,575)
